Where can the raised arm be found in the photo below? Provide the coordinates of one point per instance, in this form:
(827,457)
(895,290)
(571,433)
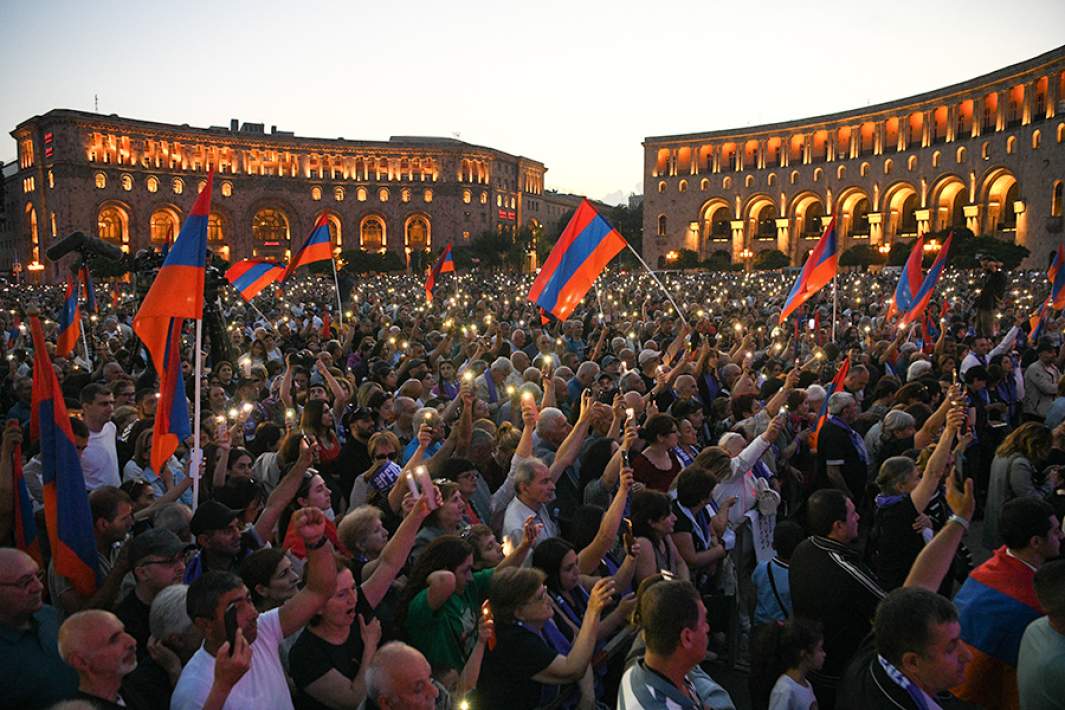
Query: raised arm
(285,393)
(569,668)
(283,494)
(588,559)
(922,495)
(298,611)
(935,558)
(396,551)
(571,445)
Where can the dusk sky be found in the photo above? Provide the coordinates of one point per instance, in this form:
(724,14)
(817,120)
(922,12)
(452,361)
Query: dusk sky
(576,85)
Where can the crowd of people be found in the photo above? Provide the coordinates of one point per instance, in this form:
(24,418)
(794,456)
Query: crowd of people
(459,505)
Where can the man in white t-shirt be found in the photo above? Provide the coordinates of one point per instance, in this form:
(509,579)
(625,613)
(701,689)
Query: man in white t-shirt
(99,460)
(216,592)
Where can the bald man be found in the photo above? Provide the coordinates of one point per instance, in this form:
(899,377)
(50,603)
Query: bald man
(399,678)
(32,675)
(95,644)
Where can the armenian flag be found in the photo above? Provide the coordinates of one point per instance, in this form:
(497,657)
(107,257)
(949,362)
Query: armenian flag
(444,265)
(69,322)
(176,294)
(318,247)
(24,523)
(928,286)
(820,268)
(909,280)
(995,605)
(90,293)
(583,250)
(835,386)
(66,503)
(1056,276)
(251,276)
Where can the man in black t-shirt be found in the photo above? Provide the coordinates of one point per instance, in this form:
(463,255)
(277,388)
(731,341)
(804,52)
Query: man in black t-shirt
(991,293)
(157,560)
(354,457)
(842,461)
(95,645)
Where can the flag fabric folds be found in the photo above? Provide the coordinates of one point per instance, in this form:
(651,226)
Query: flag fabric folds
(835,386)
(1037,321)
(583,250)
(1056,276)
(66,503)
(171,424)
(24,523)
(90,293)
(176,294)
(69,321)
(251,276)
(928,286)
(444,265)
(318,247)
(909,280)
(820,268)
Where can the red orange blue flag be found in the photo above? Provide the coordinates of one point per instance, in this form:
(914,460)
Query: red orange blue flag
(586,246)
(66,503)
(171,425)
(69,321)
(251,276)
(1056,276)
(909,280)
(835,386)
(1037,321)
(24,523)
(444,265)
(928,285)
(820,268)
(318,247)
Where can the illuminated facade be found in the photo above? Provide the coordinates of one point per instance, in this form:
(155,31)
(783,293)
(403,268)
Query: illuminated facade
(131,182)
(987,154)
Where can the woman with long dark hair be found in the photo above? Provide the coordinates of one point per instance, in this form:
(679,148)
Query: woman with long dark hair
(652,524)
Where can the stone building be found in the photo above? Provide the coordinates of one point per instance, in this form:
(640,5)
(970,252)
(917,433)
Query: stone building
(131,182)
(988,154)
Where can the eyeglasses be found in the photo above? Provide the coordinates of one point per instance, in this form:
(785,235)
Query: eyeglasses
(25,581)
(172,562)
(381,457)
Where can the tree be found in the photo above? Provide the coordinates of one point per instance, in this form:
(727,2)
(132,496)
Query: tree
(719,260)
(362,262)
(861,255)
(770,259)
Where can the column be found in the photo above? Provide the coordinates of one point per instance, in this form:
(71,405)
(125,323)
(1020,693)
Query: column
(830,147)
(904,131)
(926,128)
(972,218)
(856,141)
(695,160)
(761,153)
(807,148)
(878,138)
(782,235)
(923,218)
(1000,110)
(737,240)
(1026,103)
(876,228)
(952,120)
(978,116)
(1052,97)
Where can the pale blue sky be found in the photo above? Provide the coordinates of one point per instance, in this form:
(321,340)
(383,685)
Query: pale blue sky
(574,84)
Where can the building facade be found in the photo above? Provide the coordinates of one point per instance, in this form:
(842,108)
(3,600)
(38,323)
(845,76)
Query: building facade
(987,154)
(131,183)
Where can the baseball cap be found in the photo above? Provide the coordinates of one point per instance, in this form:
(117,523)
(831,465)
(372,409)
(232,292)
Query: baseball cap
(646,355)
(211,515)
(157,541)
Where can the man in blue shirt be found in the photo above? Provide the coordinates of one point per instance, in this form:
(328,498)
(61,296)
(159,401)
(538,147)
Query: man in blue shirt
(32,674)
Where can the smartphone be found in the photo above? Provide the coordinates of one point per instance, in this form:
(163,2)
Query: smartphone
(625,459)
(231,627)
(693,341)
(486,612)
(628,537)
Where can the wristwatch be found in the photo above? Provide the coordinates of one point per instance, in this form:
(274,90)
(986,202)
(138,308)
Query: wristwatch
(960,521)
(317,545)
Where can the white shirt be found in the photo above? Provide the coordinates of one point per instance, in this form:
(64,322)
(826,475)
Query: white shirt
(740,482)
(789,695)
(514,522)
(99,460)
(263,686)
(971,360)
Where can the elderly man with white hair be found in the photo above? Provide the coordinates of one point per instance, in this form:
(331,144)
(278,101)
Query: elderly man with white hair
(490,386)
(399,678)
(174,640)
(842,459)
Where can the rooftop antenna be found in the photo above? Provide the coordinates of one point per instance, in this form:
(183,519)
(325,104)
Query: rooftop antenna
(95,103)
(457,134)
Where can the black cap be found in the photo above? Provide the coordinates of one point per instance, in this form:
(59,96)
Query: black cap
(211,515)
(1044,345)
(157,541)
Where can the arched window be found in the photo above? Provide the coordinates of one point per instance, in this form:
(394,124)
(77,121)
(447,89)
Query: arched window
(682,186)
(911,163)
(936,156)
(31,222)
(985,150)
(152,184)
(177,185)
(959,155)
(1036,136)
(812,222)
(841,172)
(164,226)
(404,195)
(335,234)
(316,193)
(661,185)
(726,183)
(427,195)
(372,233)
(269,230)
(1061,133)
(417,235)
(794,177)
(215,232)
(227,189)
(382,195)
(101,181)
(661,225)
(127,182)
(748,181)
(771,179)
(467,196)
(1011,145)
(889,164)
(112,225)
(338,194)
(484,198)
(704,184)
(818,172)
(863,169)
(360,194)
(1056,198)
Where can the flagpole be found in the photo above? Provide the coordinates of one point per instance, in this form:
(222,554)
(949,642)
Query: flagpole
(261,315)
(834,307)
(336,283)
(655,277)
(85,344)
(197,452)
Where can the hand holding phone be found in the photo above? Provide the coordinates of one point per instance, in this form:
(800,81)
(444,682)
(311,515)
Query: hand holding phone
(231,627)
